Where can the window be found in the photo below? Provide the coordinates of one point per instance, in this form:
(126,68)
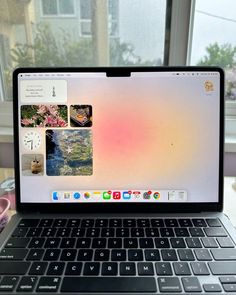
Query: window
(86,17)
(58,7)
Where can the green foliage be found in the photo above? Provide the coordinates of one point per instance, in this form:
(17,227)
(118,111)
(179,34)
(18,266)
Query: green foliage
(219,55)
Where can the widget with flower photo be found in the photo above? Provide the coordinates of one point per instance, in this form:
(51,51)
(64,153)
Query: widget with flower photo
(44,116)
(32,165)
(69,152)
(80,115)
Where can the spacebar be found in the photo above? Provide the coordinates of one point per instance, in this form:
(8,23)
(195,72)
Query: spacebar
(108,284)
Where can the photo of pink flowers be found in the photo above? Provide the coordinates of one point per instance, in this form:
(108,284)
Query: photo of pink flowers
(44,116)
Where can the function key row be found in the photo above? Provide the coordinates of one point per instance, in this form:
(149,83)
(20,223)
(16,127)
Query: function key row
(126,222)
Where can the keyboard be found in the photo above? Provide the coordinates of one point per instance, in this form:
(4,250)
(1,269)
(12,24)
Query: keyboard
(121,255)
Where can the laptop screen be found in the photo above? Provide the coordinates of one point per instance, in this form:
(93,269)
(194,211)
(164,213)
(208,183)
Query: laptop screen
(151,137)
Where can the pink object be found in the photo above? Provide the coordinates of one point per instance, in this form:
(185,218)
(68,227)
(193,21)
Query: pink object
(11,197)
(4,206)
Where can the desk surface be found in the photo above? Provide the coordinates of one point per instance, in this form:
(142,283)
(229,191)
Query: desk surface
(229,193)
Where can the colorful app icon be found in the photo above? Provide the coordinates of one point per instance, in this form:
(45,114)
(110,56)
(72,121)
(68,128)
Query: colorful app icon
(97,195)
(55,196)
(147,195)
(116,195)
(67,195)
(156,195)
(76,195)
(87,195)
(137,194)
(127,195)
(106,195)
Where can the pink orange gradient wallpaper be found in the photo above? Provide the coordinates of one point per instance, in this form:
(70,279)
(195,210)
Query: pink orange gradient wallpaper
(147,133)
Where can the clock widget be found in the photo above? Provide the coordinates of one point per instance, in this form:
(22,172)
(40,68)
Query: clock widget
(32,140)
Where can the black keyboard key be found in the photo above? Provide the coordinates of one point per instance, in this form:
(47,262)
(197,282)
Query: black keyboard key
(185,222)
(143,222)
(212,287)
(169,255)
(20,232)
(130,243)
(63,232)
(171,222)
(28,223)
(152,232)
(34,232)
(163,269)
(209,242)
(108,232)
(162,243)
(73,223)
(14,267)
(55,268)
(196,232)
(17,243)
(45,222)
(73,268)
(35,254)
(135,255)
(129,222)
(115,223)
(127,269)
(222,267)
(85,255)
(114,243)
(68,254)
(202,254)
(137,232)
(225,242)
(224,254)
(101,255)
(118,255)
(91,268)
(78,232)
(181,268)
(193,242)
(213,222)
(8,283)
(181,232)
(167,232)
(186,255)
(67,243)
(122,232)
(52,243)
(152,255)
(13,254)
(27,284)
(49,232)
(87,223)
(93,232)
(48,284)
(51,254)
(109,269)
(191,284)
(177,243)
(145,269)
(38,268)
(109,284)
(83,243)
(59,222)
(199,222)
(215,232)
(199,268)
(101,222)
(99,243)
(146,243)
(157,222)
(36,243)
(169,285)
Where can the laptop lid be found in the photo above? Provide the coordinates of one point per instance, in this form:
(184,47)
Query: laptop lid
(119,139)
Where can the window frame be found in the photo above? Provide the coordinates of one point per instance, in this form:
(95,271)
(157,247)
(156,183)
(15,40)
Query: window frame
(181,28)
(58,14)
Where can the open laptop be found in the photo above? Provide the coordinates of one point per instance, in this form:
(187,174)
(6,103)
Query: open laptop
(119,183)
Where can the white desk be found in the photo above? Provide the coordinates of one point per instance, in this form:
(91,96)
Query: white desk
(230,199)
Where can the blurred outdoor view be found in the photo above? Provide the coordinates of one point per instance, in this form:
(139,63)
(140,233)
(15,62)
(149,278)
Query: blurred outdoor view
(111,33)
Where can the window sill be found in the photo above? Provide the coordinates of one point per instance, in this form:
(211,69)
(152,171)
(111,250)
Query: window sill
(230,143)
(6,135)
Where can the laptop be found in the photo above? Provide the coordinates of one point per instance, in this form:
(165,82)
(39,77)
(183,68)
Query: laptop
(119,183)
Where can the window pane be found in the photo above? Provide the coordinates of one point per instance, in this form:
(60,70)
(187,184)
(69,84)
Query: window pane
(49,7)
(100,33)
(66,7)
(214,41)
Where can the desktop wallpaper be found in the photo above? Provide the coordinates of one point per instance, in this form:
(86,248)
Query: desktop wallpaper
(92,138)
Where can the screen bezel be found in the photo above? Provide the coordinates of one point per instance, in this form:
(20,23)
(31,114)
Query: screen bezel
(118,207)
